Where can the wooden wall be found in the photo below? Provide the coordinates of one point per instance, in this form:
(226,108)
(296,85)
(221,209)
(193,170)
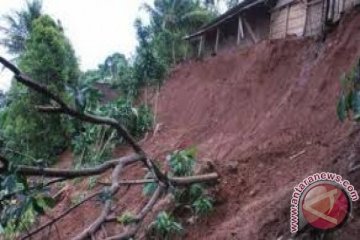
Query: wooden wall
(305,18)
(314,18)
(288,18)
(338,7)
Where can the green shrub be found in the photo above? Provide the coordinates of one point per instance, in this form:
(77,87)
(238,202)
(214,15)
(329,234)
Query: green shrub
(149,188)
(182,162)
(165,226)
(203,206)
(18,213)
(94,143)
(126,218)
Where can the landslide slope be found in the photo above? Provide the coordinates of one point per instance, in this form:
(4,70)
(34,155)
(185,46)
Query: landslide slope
(265,118)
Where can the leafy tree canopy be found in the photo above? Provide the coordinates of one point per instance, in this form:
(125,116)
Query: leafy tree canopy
(48,58)
(18,27)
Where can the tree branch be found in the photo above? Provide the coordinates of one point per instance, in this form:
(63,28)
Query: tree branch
(89,231)
(54,220)
(65,173)
(183,181)
(140,216)
(175,181)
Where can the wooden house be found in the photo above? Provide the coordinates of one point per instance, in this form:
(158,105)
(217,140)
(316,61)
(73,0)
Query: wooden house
(254,20)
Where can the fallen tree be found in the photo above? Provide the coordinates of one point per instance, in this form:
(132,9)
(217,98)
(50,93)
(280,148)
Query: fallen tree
(117,166)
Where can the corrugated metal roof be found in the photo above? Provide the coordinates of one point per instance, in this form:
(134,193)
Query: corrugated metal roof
(246,4)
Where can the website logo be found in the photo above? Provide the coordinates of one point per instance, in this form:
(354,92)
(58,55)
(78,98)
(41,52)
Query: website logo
(322,200)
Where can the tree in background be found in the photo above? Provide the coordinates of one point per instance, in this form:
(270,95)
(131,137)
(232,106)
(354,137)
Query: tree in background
(114,67)
(19,25)
(171,20)
(149,67)
(49,58)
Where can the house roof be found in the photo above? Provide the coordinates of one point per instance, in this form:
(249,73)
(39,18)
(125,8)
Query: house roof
(244,5)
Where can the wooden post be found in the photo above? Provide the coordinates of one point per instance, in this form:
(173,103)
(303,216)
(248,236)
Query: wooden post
(287,19)
(217,40)
(201,45)
(240,31)
(252,34)
(307,14)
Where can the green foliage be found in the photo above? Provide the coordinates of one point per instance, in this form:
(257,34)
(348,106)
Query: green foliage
(349,99)
(18,27)
(19,203)
(182,162)
(92,182)
(193,197)
(2,99)
(196,191)
(165,226)
(50,60)
(171,21)
(149,67)
(78,198)
(93,144)
(203,206)
(126,218)
(136,120)
(149,188)
(114,68)
(11,231)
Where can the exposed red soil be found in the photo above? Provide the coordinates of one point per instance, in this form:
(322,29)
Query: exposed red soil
(249,112)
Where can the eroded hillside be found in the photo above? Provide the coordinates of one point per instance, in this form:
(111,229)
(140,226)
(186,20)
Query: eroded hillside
(264,118)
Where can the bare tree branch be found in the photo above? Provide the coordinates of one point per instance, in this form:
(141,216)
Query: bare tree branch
(54,220)
(175,181)
(107,206)
(184,181)
(55,172)
(130,182)
(134,227)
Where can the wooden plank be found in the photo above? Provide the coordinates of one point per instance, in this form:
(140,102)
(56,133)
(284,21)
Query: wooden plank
(315,19)
(201,46)
(280,15)
(277,22)
(250,30)
(277,35)
(217,40)
(240,31)
(296,22)
(297,13)
(287,19)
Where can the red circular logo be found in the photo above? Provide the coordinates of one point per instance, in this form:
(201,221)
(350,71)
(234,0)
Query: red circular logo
(325,206)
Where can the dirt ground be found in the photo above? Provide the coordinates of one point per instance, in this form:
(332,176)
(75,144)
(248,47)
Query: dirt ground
(265,118)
